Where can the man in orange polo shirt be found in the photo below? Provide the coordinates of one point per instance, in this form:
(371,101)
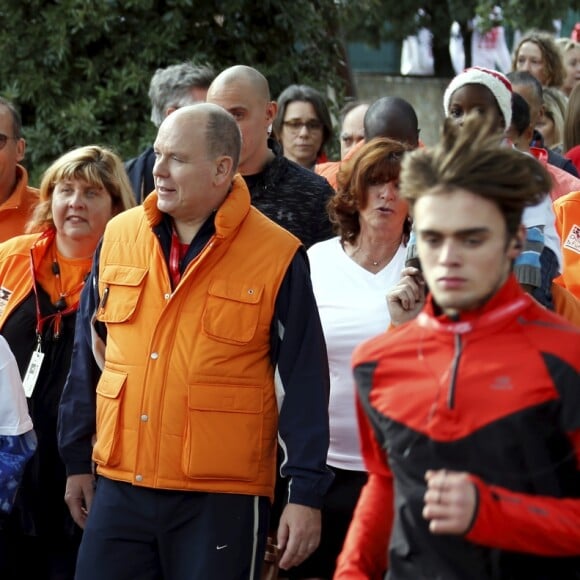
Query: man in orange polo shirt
(17,199)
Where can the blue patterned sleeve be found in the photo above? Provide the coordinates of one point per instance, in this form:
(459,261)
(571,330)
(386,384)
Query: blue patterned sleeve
(527,267)
(15,451)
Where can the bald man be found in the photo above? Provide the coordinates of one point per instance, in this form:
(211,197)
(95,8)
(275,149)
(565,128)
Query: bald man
(288,194)
(390,117)
(204,306)
(177,85)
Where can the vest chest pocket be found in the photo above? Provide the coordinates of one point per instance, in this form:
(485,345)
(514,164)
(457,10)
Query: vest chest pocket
(120,287)
(232,311)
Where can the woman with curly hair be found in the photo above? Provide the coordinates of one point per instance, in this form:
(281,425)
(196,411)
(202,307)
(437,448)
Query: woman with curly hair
(538,53)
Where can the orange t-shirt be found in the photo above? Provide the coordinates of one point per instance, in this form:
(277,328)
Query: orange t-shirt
(72,273)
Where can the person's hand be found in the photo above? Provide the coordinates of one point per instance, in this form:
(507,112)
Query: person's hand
(450,501)
(78,496)
(406,299)
(298,534)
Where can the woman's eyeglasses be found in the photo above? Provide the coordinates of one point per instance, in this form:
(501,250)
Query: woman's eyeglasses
(296,126)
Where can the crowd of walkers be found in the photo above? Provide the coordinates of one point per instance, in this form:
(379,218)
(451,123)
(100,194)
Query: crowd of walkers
(235,357)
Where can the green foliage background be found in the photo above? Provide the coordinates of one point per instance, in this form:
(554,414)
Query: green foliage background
(79,70)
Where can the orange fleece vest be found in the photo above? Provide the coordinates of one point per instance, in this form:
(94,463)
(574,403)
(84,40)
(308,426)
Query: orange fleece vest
(186,399)
(15,273)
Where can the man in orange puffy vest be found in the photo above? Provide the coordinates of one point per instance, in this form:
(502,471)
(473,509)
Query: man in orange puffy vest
(213,353)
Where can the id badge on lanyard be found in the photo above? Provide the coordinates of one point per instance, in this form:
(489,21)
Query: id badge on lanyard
(33,370)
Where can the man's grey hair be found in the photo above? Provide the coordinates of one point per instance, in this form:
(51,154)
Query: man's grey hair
(16,119)
(527,79)
(171,87)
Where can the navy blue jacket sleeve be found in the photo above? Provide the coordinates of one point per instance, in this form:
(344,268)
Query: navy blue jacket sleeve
(77,409)
(302,386)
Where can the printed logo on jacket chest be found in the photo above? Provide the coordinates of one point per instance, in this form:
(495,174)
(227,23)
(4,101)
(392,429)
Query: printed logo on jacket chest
(573,240)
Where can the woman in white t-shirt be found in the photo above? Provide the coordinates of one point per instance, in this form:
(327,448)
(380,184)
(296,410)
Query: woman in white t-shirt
(351,275)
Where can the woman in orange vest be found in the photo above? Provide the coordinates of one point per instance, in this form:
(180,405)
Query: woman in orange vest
(42,274)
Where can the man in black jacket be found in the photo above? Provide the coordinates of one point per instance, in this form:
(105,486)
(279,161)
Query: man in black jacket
(288,194)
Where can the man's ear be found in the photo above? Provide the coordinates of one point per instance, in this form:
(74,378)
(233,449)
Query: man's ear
(516,244)
(271,110)
(223,169)
(20,149)
(528,134)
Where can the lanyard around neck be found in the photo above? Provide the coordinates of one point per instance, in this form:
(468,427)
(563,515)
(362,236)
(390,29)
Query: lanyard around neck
(64,309)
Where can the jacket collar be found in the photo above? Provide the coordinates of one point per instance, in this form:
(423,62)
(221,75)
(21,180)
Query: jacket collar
(228,217)
(17,198)
(507,303)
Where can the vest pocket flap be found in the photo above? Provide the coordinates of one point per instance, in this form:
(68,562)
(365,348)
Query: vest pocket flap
(122,275)
(238,291)
(111,384)
(225,399)
(120,287)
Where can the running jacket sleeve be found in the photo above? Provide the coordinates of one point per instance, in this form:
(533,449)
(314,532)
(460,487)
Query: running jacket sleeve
(302,386)
(77,409)
(364,553)
(533,524)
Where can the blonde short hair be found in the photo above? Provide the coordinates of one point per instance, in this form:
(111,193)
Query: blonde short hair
(95,165)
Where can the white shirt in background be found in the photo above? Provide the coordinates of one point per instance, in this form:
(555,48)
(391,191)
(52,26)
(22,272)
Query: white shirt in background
(14,417)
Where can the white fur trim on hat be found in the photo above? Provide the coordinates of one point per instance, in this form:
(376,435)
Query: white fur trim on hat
(495,81)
